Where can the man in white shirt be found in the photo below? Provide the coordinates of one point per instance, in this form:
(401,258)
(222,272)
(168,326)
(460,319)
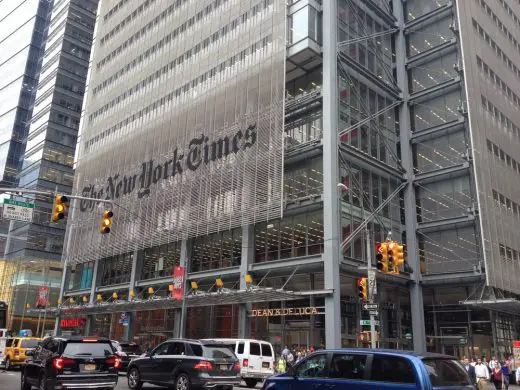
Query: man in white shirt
(482,374)
(493,363)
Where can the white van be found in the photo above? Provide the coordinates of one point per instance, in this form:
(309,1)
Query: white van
(256,359)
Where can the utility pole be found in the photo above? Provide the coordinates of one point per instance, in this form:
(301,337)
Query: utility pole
(372,290)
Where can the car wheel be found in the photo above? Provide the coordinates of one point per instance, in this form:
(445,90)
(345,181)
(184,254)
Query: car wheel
(182,382)
(7,364)
(134,379)
(24,385)
(251,382)
(43,383)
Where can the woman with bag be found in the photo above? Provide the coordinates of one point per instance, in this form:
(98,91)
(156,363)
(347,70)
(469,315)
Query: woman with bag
(497,376)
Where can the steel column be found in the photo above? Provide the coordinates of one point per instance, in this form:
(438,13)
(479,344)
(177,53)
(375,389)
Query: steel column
(248,252)
(331,214)
(416,294)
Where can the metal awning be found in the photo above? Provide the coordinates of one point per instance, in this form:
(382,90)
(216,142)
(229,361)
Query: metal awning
(198,299)
(505,305)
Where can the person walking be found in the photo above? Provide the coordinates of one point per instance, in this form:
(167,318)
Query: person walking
(482,374)
(281,365)
(497,377)
(471,370)
(506,371)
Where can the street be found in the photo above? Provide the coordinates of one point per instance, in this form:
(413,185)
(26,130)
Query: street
(10,380)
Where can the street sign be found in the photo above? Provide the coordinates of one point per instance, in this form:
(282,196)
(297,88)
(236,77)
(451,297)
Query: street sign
(371,306)
(18,211)
(408,336)
(367,322)
(374,313)
(372,285)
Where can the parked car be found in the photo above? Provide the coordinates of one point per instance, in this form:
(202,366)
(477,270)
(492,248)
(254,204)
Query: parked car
(61,363)
(366,369)
(186,364)
(256,359)
(126,352)
(16,349)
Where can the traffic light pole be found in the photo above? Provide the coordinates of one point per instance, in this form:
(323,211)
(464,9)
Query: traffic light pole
(371,290)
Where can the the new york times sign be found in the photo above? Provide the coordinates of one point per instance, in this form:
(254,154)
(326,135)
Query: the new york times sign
(201,150)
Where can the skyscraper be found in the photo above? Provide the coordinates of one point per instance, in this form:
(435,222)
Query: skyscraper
(398,117)
(49,154)
(23,29)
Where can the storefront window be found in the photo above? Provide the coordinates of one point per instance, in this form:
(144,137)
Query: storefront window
(296,236)
(160,261)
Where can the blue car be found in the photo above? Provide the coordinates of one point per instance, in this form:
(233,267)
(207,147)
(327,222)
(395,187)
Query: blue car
(373,369)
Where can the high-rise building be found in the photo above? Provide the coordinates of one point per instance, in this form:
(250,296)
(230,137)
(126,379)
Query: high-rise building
(23,27)
(49,154)
(399,117)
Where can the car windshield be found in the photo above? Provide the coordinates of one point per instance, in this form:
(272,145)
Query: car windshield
(131,348)
(29,343)
(217,352)
(446,372)
(88,349)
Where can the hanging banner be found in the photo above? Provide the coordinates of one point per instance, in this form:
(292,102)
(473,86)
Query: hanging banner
(178,283)
(42,297)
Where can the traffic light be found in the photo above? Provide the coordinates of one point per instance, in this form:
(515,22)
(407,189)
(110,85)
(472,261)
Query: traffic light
(382,257)
(362,284)
(61,203)
(399,257)
(106,222)
(392,246)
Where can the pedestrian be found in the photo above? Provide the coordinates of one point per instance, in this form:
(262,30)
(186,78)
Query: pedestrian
(493,363)
(285,352)
(290,359)
(517,375)
(505,373)
(471,370)
(498,377)
(281,365)
(482,374)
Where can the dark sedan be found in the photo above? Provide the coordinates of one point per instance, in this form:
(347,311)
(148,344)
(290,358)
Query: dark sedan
(186,364)
(126,352)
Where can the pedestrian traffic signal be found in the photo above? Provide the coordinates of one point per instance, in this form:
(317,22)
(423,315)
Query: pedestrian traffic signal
(106,222)
(362,284)
(382,257)
(399,257)
(61,204)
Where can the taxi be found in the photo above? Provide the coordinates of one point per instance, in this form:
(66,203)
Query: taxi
(15,350)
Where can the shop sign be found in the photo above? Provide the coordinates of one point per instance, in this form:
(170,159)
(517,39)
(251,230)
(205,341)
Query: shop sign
(293,311)
(516,352)
(73,322)
(42,297)
(178,283)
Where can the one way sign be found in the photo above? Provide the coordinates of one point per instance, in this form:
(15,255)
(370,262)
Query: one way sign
(370,306)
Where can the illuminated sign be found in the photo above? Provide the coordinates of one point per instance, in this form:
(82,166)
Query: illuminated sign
(73,322)
(292,311)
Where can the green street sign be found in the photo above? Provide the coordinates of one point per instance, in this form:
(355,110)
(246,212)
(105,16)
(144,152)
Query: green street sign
(367,322)
(18,203)
(408,336)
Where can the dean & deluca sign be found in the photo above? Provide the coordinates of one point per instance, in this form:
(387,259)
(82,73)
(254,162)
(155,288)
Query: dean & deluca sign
(290,311)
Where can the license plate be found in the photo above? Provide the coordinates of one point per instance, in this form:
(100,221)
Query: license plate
(223,366)
(90,367)
(265,365)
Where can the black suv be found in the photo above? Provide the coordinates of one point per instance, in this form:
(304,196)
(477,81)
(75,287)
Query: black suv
(126,352)
(74,363)
(186,364)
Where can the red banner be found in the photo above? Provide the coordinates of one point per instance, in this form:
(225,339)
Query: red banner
(73,322)
(42,297)
(178,283)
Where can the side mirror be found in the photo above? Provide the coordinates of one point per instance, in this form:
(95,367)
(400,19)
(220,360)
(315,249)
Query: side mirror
(30,352)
